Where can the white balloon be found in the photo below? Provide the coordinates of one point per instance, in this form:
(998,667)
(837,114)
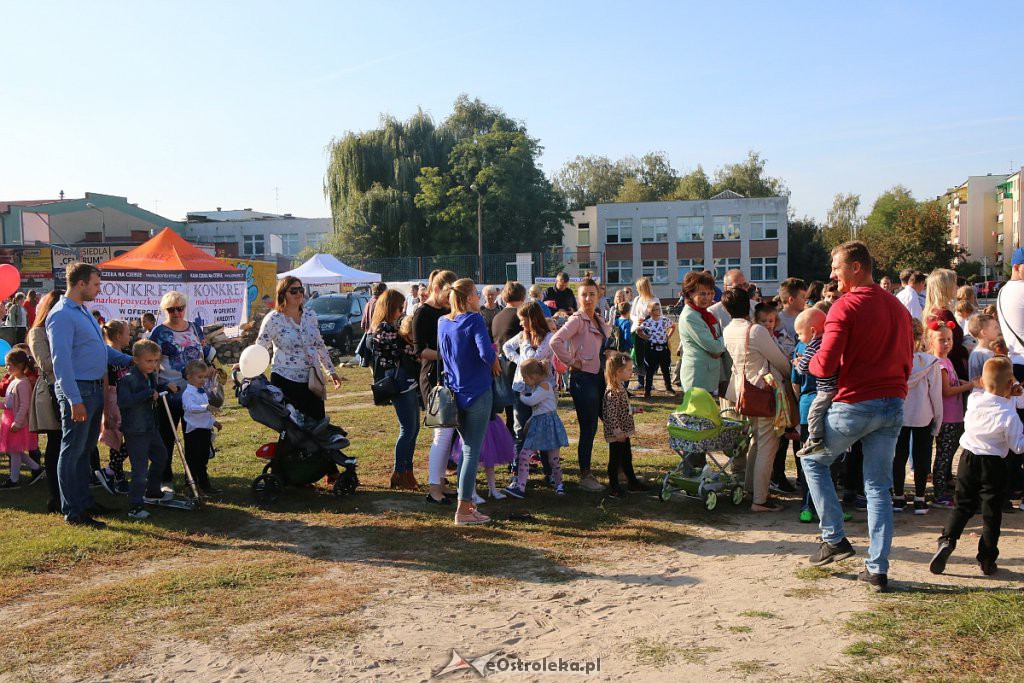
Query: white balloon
(253,361)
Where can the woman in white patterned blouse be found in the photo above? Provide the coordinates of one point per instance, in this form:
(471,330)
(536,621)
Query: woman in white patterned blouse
(292,335)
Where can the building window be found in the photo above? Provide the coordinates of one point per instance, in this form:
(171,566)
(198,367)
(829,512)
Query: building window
(654,230)
(315,239)
(583,235)
(657,271)
(764,226)
(725,264)
(764,268)
(620,231)
(688,265)
(218,239)
(620,272)
(290,244)
(727,227)
(690,229)
(252,245)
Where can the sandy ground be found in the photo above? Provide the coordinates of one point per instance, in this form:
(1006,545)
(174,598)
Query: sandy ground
(725,604)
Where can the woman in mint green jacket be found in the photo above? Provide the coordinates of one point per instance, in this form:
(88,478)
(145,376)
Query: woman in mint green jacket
(700,335)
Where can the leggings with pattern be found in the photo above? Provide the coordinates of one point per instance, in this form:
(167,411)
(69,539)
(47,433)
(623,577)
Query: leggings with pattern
(554,460)
(946,444)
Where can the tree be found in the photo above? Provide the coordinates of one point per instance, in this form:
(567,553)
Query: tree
(808,257)
(586,181)
(403,189)
(919,239)
(748,178)
(693,185)
(880,229)
(842,223)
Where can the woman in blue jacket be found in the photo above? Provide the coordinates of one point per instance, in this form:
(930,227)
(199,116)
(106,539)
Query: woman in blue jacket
(470,363)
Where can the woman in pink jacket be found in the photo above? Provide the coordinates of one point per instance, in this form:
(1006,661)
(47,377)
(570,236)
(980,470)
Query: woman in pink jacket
(581,344)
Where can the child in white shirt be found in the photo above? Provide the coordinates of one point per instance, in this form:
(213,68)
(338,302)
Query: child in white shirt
(199,424)
(991,429)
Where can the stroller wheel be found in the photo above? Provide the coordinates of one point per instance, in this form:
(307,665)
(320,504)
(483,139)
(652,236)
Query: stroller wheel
(666,489)
(346,483)
(266,488)
(711,500)
(737,495)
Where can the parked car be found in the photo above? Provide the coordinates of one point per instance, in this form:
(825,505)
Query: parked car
(339,316)
(988,288)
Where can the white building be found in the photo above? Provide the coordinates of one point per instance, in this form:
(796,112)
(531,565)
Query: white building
(255,234)
(664,240)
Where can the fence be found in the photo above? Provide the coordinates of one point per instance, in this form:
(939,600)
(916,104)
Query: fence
(497,267)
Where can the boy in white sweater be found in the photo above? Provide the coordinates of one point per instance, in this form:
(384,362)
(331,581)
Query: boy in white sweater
(991,429)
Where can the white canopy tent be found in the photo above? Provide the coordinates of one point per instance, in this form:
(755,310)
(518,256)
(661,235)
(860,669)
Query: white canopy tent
(324,269)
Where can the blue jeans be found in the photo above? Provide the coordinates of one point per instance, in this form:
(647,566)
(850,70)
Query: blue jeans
(76,443)
(876,424)
(472,428)
(407,408)
(587,390)
(148,457)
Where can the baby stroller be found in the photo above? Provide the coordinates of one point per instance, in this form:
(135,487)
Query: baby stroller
(696,429)
(306,450)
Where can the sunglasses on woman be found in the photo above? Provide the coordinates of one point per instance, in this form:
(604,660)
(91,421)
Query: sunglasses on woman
(175,309)
(296,290)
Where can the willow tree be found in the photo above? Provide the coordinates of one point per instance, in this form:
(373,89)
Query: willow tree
(405,188)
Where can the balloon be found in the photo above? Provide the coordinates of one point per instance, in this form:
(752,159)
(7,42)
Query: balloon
(10,280)
(5,349)
(253,361)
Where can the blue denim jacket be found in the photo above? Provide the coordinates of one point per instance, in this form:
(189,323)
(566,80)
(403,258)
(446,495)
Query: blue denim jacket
(135,399)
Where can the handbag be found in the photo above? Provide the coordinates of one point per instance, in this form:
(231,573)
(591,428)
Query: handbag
(502,395)
(385,389)
(754,401)
(317,383)
(441,409)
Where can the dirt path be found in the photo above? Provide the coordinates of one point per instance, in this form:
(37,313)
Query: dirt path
(729,603)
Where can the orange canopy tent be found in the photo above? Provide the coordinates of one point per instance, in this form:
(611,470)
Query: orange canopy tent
(134,282)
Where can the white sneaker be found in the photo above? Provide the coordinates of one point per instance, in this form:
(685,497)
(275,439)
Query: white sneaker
(477,500)
(590,483)
(559,490)
(497,495)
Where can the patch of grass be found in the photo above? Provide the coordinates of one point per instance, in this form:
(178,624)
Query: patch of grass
(655,653)
(739,629)
(926,636)
(697,655)
(814,573)
(748,667)
(759,614)
(808,593)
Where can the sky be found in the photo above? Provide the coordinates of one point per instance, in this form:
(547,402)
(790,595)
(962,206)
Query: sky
(188,106)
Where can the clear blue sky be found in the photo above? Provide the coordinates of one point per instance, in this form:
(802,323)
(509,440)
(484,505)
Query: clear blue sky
(206,104)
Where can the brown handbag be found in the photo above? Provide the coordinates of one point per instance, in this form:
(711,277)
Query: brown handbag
(753,401)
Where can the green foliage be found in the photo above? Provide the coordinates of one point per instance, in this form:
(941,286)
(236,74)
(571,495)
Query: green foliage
(404,188)
(594,180)
(918,238)
(843,222)
(969,269)
(808,255)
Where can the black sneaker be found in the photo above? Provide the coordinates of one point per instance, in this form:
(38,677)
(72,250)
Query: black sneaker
(899,503)
(988,566)
(920,507)
(879,583)
(86,520)
(8,484)
(105,480)
(939,559)
(35,475)
(783,485)
(832,553)
(122,487)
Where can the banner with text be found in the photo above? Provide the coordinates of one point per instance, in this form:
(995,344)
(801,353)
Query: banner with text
(214,298)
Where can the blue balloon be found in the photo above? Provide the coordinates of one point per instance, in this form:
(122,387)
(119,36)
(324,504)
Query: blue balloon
(5,348)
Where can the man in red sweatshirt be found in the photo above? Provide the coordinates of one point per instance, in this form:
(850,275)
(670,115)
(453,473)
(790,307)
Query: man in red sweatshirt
(868,338)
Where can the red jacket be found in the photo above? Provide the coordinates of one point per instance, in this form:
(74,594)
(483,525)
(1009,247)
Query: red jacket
(869,339)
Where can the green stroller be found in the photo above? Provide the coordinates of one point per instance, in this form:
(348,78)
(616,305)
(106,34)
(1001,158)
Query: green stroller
(696,430)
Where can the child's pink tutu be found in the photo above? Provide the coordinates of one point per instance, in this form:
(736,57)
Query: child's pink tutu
(499,448)
(21,441)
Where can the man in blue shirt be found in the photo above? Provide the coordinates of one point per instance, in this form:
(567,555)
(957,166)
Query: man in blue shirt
(80,359)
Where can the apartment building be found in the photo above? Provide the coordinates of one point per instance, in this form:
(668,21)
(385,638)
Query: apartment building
(1008,218)
(665,240)
(255,234)
(974,222)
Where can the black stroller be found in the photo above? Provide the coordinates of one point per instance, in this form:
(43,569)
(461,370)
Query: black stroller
(306,450)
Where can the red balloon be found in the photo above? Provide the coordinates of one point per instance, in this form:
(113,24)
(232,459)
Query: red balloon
(10,280)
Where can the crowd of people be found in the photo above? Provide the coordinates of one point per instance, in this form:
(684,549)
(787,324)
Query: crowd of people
(867,379)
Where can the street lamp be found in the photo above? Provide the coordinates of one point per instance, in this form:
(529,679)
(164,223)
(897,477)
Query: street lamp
(479,232)
(103,220)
